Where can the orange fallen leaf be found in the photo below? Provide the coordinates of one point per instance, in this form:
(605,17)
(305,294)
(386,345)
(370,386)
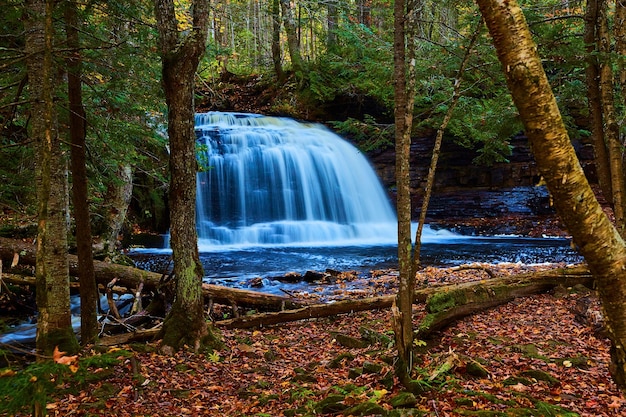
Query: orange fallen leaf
(59,357)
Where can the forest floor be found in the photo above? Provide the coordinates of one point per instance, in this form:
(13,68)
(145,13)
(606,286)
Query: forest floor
(543,355)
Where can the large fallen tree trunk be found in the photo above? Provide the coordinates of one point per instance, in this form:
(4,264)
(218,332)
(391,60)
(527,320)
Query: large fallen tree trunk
(445,304)
(130,277)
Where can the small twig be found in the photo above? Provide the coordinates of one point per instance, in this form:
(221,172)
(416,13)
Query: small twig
(112,307)
(137,303)
(435,408)
(289,293)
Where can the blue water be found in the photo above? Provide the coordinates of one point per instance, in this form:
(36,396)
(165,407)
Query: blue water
(237,266)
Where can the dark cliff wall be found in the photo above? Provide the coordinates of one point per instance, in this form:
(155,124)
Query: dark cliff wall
(464,189)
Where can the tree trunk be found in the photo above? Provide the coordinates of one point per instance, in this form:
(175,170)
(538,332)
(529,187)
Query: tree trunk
(597,239)
(364,11)
(118,197)
(54,327)
(402,317)
(332,19)
(180,54)
(594,103)
(293,45)
(88,289)
(276,53)
(611,127)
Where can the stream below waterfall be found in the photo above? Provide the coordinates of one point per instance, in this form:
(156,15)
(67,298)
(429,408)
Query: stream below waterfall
(239,267)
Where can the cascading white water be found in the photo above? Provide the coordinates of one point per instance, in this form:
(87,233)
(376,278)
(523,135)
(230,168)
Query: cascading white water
(275,181)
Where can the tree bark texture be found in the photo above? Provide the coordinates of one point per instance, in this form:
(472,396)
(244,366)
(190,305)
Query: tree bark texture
(180,55)
(594,103)
(609,113)
(53,296)
(289,23)
(118,197)
(597,239)
(277,59)
(77,126)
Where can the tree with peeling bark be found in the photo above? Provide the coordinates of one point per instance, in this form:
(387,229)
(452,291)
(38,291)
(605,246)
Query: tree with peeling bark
(596,237)
(181,45)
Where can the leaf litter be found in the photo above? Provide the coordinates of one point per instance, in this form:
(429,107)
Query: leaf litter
(536,352)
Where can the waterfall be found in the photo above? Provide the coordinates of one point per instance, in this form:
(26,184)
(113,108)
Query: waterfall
(268,181)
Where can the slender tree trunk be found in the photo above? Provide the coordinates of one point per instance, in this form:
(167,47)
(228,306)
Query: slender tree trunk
(332,19)
(402,309)
(185,323)
(597,239)
(293,45)
(276,54)
(118,197)
(592,77)
(77,125)
(364,11)
(54,326)
(611,128)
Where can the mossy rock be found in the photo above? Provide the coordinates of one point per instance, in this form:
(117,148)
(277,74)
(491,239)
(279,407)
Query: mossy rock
(372,368)
(303,376)
(387,380)
(403,400)
(541,376)
(474,368)
(464,401)
(265,399)
(104,391)
(527,349)
(367,408)
(374,337)
(560,291)
(270,355)
(581,289)
(336,362)
(581,362)
(331,404)
(407,412)
(350,342)
(514,380)
(354,373)
(142,347)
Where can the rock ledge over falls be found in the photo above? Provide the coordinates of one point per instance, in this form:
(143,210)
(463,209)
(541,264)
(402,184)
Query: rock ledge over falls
(504,198)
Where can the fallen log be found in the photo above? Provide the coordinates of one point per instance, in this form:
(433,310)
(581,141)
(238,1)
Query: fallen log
(307,312)
(469,297)
(454,302)
(130,277)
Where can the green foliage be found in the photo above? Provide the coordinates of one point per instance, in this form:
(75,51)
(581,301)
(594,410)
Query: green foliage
(368,134)
(20,390)
(360,65)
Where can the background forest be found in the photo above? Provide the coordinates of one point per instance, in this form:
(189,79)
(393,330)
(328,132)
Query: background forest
(328,61)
